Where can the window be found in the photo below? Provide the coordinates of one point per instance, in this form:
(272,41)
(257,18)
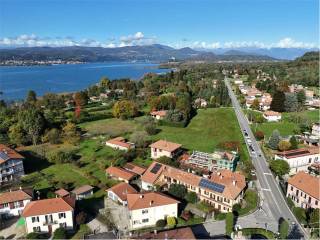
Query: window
(145,220)
(309,200)
(35,219)
(5,205)
(62,215)
(135,222)
(160,150)
(310,160)
(144,211)
(63,225)
(316,202)
(36,229)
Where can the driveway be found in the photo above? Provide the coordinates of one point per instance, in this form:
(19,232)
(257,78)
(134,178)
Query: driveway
(120,214)
(12,230)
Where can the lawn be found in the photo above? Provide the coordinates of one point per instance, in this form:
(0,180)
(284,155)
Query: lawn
(312,116)
(285,128)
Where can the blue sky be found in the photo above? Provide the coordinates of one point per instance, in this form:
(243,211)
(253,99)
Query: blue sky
(178,23)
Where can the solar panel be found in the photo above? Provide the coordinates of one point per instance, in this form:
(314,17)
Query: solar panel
(4,156)
(211,185)
(156,168)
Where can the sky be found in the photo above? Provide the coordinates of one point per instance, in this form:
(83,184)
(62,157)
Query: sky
(205,24)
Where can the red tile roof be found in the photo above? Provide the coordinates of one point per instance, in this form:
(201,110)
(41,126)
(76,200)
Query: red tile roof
(120,141)
(122,189)
(271,113)
(9,153)
(306,183)
(134,168)
(161,113)
(150,177)
(299,152)
(165,145)
(120,173)
(14,196)
(148,200)
(46,206)
(62,192)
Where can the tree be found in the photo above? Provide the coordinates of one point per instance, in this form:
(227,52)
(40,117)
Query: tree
(314,222)
(283,229)
(168,161)
(255,104)
(274,140)
(294,143)
(33,235)
(284,145)
(278,100)
(124,109)
(59,233)
(300,214)
(259,135)
(191,197)
(301,97)
(17,135)
(52,136)
(81,98)
(31,97)
(81,218)
(171,221)
(139,138)
(151,128)
(161,223)
(291,102)
(229,223)
(178,190)
(279,167)
(70,133)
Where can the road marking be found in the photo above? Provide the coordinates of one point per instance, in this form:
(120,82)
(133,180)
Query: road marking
(266,189)
(266,173)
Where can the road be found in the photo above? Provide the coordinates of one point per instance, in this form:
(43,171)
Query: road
(269,188)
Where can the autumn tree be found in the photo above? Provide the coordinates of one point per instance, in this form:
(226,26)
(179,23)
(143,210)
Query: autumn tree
(124,109)
(255,105)
(284,145)
(81,98)
(70,133)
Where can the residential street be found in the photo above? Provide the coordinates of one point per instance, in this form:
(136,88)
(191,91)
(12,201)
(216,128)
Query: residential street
(270,191)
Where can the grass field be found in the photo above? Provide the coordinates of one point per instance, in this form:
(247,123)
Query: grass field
(312,116)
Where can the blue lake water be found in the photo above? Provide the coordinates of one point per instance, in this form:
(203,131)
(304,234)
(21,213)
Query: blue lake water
(15,82)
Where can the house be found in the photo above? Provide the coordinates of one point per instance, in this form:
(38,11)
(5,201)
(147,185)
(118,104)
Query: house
(299,159)
(226,160)
(314,137)
(304,190)
(164,148)
(159,115)
(118,193)
(83,192)
(11,165)
(316,129)
(200,103)
(145,209)
(49,214)
(222,189)
(272,116)
(177,233)
(62,193)
(120,174)
(120,143)
(134,168)
(12,203)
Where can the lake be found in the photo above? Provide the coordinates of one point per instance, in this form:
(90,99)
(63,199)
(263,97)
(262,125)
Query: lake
(15,82)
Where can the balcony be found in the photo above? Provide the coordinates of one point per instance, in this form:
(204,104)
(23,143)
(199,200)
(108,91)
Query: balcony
(46,223)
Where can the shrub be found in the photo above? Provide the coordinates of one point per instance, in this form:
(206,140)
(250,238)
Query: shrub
(259,135)
(151,128)
(33,235)
(300,214)
(61,157)
(283,229)
(290,203)
(284,145)
(178,190)
(52,136)
(236,208)
(81,218)
(229,145)
(59,233)
(279,167)
(161,223)
(191,197)
(229,223)
(171,221)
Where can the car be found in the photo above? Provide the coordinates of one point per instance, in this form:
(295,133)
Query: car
(246,134)
(251,148)
(260,155)
(249,141)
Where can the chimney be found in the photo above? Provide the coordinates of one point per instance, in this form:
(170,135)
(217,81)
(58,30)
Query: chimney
(151,202)
(141,195)
(155,232)
(20,188)
(219,173)
(234,182)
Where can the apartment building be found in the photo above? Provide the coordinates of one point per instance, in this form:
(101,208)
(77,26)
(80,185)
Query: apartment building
(11,165)
(304,190)
(222,189)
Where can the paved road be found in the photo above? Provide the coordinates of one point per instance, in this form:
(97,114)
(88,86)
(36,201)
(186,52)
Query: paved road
(269,188)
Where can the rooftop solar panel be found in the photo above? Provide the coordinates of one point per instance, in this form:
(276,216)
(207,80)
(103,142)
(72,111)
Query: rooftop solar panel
(156,168)
(4,156)
(211,185)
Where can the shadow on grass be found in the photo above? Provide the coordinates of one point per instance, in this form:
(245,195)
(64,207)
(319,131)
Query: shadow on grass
(33,162)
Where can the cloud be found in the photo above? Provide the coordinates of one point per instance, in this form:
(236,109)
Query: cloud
(291,43)
(136,39)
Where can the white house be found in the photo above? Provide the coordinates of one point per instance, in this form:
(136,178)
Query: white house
(118,193)
(120,143)
(49,214)
(164,148)
(272,116)
(12,203)
(299,159)
(145,209)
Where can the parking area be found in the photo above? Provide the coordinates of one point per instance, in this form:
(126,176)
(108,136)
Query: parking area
(119,213)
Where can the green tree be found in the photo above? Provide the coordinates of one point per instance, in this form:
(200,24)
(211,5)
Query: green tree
(229,223)
(59,233)
(284,145)
(279,167)
(31,97)
(124,109)
(274,140)
(70,133)
(278,100)
(178,190)
(17,135)
(151,128)
(139,138)
(294,143)
(168,161)
(52,136)
(171,221)
(300,214)
(314,222)
(33,235)
(291,102)
(301,97)
(53,101)
(284,229)
(191,197)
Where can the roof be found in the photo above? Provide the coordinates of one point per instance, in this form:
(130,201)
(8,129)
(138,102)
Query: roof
(299,152)
(7,153)
(186,177)
(46,206)
(14,196)
(120,173)
(306,183)
(62,192)
(161,113)
(271,113)
(178,233)
(82,189)
(134,168)
(165,145)
(151,177)
(122,189)
(120,141)
(147,200)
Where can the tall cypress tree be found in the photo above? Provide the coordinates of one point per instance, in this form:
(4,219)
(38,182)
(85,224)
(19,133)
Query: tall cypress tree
(278,100)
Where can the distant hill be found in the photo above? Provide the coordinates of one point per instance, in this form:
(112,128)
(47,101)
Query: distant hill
(309,56)
(155,52)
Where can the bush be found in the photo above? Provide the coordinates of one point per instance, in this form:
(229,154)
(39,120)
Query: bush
(229,223)
(300,214)
(161,223)
(168,161)
(259,135)
(279,167)
(191,197)
(61,157)
(59,233)
(236,208)
(81,218)
(33,235)
(283,229)
(151,128)
(290,203)
(171,221)
(52,136)
(178,190)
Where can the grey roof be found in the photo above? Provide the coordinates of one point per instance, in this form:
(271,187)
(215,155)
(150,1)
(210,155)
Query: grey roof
(82,189)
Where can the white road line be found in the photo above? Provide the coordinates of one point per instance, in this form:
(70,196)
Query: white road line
(266,173)
(266,189)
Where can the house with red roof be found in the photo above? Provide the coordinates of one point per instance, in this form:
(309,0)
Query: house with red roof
(120,143)
(118,193)
(163,148)
(12,203)
(49,214)
(120,174)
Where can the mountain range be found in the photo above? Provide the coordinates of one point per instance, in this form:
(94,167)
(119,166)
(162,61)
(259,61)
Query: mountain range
(155,52)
